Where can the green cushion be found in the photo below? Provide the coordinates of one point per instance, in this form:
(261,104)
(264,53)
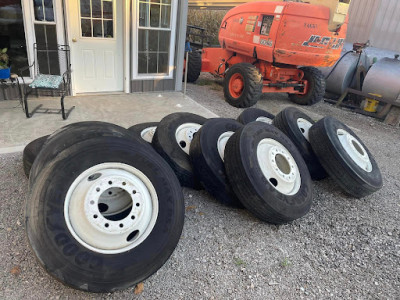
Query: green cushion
(47,81)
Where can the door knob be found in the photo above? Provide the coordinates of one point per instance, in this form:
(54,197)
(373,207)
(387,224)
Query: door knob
(74,40)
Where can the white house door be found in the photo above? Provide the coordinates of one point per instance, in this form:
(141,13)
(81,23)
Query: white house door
(96,43)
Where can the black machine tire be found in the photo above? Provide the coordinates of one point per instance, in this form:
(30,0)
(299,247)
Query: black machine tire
(30,153)
(324,139)
(194,66)
(257,192)
(317,84)
(252,114)
(287,122)
(207,162)
(142,130)
(252,85)
(166,144)
(72,134)
(63,254)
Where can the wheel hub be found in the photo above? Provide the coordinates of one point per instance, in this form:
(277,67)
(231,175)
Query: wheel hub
(111,208)
(278,166)
(236,85)
(304,126)
(184,135)
(265,120)
(221,143)
(148,133)
(355,150)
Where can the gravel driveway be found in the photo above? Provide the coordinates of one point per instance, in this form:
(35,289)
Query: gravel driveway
(344,248)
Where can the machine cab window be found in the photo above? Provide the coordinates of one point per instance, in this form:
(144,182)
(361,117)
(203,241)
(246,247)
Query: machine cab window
(266,25)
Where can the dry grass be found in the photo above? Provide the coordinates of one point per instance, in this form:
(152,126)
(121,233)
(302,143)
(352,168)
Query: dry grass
(208,19)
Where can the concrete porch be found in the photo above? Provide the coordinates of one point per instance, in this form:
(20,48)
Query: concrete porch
(121,109)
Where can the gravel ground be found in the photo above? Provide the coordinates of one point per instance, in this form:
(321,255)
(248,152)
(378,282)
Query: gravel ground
(344,248)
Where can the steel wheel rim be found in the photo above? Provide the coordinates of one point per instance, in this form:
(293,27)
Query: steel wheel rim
(148,133)
(184,135)
(236,85)
(111,233)
(278,166)
(221,143)
(355,150)
(304,127)
(265,120)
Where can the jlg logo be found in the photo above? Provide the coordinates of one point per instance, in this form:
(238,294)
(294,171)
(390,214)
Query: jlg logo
(317,41)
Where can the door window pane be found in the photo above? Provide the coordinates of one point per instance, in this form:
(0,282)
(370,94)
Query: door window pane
(97,28)
(108,29)
(12,34)
(85,8)
(96,8)
(86,25)
(107,9)
(44,10)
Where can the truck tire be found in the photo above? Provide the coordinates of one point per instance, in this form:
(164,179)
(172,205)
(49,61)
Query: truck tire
(255,114)
(243,85)
(194,66)
(172,141)
(30,153)
(345,157)
(207,157)
(86,249)
(268,174)
(296,125)
(145,130)
(316,87)
(72,134)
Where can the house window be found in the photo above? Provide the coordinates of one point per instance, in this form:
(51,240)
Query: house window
(46,37)
(154,36)
(12,34)
(97,18)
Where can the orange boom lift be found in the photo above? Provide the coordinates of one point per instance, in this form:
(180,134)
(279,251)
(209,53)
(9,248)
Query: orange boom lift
(274,47)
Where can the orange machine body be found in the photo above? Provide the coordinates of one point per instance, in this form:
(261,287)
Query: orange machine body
(276,37)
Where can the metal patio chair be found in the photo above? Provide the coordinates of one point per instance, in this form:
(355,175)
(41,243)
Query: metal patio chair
(51,74)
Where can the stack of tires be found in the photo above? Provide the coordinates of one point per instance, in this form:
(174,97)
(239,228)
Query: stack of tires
(106,209)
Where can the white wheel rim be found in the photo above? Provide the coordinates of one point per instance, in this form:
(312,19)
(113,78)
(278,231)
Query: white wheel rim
(184,135)
(278,166)
(94,229)
(148,133)
(304,127)
(355,150)
(265,120)
(221,143)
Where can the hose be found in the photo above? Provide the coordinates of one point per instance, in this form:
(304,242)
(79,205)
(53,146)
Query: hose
(337,63)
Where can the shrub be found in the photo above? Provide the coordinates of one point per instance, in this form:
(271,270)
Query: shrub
(208,19)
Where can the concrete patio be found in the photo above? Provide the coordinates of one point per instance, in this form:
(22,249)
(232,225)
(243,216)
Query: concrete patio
(121,109)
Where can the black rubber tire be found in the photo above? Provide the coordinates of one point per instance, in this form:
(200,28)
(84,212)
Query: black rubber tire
(30,153)
(255,191)
(207,164)
(70,261)
(252,114)
(339,165)
(194,66)
(138,128)
(72,134)
(164,142)
(286,121)
(317,84)
(253,84)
